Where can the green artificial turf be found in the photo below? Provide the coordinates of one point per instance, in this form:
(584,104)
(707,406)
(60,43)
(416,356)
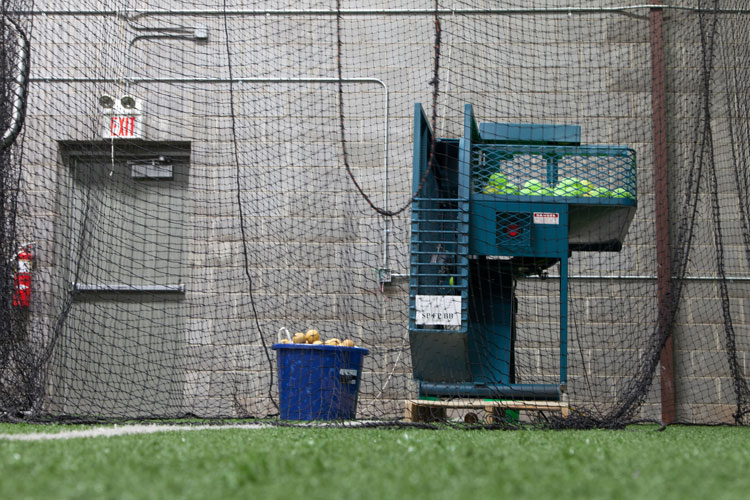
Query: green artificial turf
(326,463)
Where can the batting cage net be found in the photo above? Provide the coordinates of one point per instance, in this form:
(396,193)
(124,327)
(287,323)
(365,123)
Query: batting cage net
(494,213)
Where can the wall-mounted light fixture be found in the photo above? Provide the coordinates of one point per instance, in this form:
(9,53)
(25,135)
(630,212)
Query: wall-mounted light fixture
(106,101)
(127,101)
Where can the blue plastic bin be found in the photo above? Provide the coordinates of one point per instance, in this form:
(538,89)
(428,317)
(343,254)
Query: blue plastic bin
(318,382)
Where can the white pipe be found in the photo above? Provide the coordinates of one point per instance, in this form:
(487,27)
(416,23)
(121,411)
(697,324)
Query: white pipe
(131,14)
(625,277)
(386,142)
(134,13)
(129,56)
(386,106)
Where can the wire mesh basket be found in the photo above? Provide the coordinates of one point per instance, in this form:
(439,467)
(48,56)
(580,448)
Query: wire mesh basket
(593,172)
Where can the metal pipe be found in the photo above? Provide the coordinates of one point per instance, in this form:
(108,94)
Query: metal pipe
(165,29)
(654,277)
(625,277)
(123,287)
(665,314)
(386,91)
(494,391)
(135,39)
(135,13)
(20,80)
(651,277)
(386,230)
(386,108)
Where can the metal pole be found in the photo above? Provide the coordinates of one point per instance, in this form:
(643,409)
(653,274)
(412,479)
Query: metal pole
(136,13)
(620,277)
(386,110)
(563,321)
(661,201)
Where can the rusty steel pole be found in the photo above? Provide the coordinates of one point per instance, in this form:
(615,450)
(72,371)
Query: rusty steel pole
(661,203)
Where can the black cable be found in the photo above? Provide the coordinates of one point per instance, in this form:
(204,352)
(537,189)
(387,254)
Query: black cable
(435,83)
(245,256)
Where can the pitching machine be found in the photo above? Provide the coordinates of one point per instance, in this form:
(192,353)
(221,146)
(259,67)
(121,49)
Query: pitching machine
(504,201)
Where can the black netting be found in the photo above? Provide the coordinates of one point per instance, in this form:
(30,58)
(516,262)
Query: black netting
(499,212)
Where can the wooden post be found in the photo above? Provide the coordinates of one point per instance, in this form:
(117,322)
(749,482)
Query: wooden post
(661,203)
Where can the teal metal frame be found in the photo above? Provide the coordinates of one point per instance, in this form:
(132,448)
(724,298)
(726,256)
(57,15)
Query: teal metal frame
(473,242)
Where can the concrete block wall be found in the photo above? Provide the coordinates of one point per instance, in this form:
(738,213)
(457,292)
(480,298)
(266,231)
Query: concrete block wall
(312,241)
(704,387)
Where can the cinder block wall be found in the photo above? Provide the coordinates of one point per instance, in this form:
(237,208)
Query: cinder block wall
(313,240)
(704,387)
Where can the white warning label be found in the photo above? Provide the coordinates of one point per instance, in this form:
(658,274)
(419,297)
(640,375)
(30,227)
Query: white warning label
(546,218)
(438,310)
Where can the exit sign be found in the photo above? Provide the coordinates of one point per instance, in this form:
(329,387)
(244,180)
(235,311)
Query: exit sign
(122,123)
(125,127)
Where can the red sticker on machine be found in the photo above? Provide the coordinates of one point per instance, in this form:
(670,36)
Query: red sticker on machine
(546,218)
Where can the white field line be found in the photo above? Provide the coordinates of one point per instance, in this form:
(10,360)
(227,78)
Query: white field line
(125,430)
(120,430)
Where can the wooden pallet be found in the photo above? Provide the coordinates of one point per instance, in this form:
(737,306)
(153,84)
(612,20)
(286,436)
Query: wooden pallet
(424,410)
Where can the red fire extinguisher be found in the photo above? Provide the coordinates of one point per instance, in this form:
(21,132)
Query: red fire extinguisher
(22,285)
